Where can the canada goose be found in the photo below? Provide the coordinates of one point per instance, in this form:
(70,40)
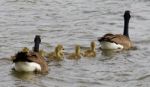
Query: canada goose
(31,61)
(90,52)
(76,54)
(117,41)
(57,55)
(25,49)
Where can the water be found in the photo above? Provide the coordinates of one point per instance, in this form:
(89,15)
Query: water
(71,22)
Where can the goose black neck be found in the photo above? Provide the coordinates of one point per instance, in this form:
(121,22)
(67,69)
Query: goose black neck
(37,41)
(126,23)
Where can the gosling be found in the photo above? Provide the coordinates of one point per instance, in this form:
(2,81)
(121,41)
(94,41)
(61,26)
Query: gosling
(76,54)
(57,55)
(90,52)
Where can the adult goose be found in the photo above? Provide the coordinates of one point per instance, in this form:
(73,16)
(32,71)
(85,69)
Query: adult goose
(31,61)
(117,41)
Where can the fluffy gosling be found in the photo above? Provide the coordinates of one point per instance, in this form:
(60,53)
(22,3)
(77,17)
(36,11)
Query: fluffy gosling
(57,55)
(76,54)
(90,52)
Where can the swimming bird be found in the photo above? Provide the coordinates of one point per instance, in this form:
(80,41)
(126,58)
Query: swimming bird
(117,41)
(31,61)
(57,55)
(42,53)
(76,54)
(25,49)
(90,52)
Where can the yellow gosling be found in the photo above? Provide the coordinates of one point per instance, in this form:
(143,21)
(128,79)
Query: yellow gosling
(90,52)
(57,55)
(42,53)
(76,54)
(61,49)
(25,49)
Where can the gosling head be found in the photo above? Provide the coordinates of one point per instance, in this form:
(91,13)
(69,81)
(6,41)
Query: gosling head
(25,49)
(60,48)
(59,52)
(37,41)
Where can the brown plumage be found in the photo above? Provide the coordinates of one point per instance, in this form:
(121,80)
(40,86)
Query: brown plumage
(31,61)
(117,41)
(36,57)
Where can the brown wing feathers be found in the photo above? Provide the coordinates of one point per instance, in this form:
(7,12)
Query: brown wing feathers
(118,39)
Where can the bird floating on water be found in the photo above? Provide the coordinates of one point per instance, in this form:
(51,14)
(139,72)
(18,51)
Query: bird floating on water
(31,61)
(117,41)
(76,54)
(90,52)
(57,54)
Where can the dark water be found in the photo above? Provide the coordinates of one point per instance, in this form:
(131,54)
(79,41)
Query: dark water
(71,22)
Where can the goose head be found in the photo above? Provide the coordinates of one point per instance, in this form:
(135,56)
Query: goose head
(127,15)
(37,41)
(126,23)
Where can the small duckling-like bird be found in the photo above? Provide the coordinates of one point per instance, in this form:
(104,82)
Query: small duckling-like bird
(90,52)
(42,53)
(76,54)
(32,61)
(117,41)
(57,55)
(25,49)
